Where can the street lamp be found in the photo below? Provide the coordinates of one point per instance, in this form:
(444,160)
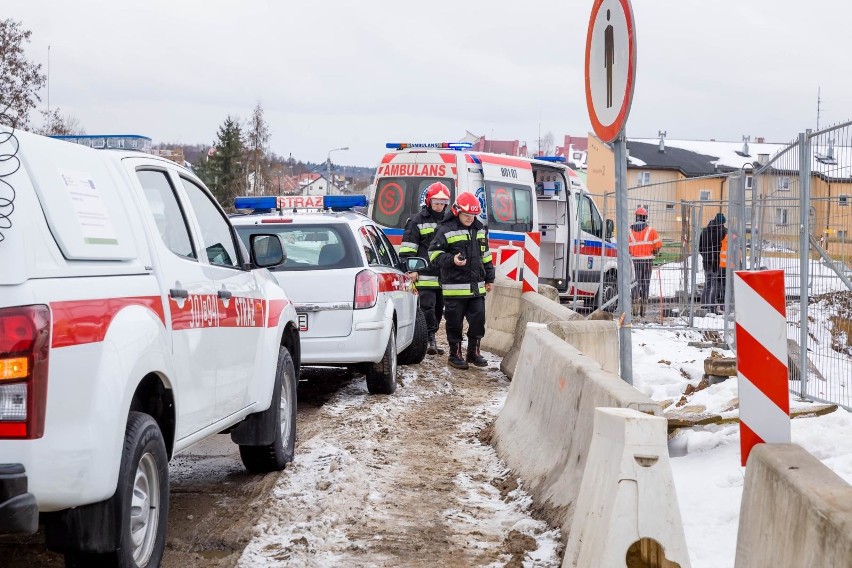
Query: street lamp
(328,165)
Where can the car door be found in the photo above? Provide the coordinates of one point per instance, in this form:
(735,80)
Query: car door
(191,298)
(238,298)
(394,282)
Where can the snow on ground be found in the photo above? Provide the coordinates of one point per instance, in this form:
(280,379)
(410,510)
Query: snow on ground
(706,460)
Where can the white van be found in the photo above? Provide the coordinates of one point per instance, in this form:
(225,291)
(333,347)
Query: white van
(133,324)
(517,195)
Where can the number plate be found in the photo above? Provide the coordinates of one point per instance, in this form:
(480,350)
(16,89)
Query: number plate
(303,322)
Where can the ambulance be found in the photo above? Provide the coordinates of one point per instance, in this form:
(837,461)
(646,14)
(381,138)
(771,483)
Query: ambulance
(517,196)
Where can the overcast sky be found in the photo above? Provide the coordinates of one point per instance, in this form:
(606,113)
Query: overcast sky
(333,73)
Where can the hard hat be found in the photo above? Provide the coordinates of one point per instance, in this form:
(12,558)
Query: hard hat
(437,191)
(641,211)
(466,203)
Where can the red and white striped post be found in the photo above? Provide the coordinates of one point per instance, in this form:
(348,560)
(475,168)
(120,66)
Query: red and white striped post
(761,334)
(532,247)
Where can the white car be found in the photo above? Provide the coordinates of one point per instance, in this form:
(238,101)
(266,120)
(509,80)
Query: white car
(355,303)
(133,324)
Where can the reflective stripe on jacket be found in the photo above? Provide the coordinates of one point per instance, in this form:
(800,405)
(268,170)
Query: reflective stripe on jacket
(723,252)
(452,238)
(418,235)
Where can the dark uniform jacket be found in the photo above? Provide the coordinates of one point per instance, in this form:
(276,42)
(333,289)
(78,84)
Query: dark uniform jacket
(452,238)
(710,243)
(419,232)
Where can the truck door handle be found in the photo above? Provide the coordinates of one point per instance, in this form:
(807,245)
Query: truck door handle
(225,295)
(178,293)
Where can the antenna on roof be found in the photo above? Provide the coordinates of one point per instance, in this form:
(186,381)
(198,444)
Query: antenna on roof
(662,135)
(819,102)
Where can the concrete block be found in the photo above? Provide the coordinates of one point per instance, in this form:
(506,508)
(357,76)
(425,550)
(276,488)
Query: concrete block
(534,308)
(549,292)
(627,503)
(545,427)
(502,307)
(597,339)
(795,511)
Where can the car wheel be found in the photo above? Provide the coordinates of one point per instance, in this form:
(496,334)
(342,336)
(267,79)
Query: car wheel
(608,292)
(141,500)
(381,376)
(416,352)
(280,419)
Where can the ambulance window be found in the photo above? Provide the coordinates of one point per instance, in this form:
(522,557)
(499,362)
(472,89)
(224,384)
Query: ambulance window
(398,198)
(171,222)
(509,207)
(216,231)
(590,219)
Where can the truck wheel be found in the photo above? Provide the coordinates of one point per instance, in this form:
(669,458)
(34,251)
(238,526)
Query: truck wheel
(608,292)
(280,417)
(416,352)
(141,500)
(381,376)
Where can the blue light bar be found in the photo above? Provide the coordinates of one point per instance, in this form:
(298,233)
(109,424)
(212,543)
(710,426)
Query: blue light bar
(266,203)
(109,141)
(441,145)
(344,202)
(559,159)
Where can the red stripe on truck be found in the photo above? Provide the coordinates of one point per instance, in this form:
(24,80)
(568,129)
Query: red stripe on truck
(86,321)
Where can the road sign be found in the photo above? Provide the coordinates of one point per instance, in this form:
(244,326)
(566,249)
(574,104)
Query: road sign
(610,66)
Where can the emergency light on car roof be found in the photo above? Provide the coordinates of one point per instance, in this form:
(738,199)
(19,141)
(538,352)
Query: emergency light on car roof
(265,204)
(443,145)
(560,159)
(109,141)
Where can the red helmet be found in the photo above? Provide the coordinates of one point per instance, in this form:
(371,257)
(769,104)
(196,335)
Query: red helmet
(466,203)
(437,191)
(641,211)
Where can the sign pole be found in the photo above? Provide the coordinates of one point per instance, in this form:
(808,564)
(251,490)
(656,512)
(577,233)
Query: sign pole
(625,342)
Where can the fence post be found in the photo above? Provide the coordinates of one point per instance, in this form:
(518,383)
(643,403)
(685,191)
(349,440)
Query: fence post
(685,230)
(804,254)
(603,246)
(697,217)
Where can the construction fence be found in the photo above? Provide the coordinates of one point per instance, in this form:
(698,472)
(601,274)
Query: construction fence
(791,212)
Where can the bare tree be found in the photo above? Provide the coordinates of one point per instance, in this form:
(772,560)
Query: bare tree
(546,145)
(257,144)
(20,79)
(55,123)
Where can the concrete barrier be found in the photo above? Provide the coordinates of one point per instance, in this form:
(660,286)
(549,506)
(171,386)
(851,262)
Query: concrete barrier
(627,506)
(597,339)
(545,427)
(533,308)
(795,511)
(549,292)
(502,307)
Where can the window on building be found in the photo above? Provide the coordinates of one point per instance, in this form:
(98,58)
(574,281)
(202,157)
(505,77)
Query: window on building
(844,201)
(748,214)
(842,234)
(780,216)
(704,195)
(784,183)
(749,181)
(644,178)
(669,206)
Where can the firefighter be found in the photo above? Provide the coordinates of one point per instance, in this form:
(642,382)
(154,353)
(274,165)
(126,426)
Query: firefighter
(644,244)
(460,251)
(419,231)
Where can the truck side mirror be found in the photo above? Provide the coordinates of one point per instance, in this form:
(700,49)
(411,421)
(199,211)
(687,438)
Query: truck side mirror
(267,250)
(610,228)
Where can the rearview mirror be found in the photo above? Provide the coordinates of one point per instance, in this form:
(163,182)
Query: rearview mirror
(610,228)
(267,250)
(414,264)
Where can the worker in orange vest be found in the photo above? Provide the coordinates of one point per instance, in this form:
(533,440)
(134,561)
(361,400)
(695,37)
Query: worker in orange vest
(722,275)
(644,243)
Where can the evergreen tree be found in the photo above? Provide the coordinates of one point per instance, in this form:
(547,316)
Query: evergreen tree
(222,170)
(20,79)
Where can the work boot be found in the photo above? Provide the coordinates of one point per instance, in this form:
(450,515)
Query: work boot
(432,347)
(455,358)
(473,355)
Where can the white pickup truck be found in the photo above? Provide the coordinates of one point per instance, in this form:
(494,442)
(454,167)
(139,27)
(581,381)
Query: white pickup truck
(133,324)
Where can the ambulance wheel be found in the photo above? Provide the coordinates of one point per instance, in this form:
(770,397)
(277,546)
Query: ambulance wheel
(278,421)
(416,352)
(608,292)
(141,500)
(381,376)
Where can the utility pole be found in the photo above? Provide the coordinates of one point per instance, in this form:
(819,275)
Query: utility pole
(49,120)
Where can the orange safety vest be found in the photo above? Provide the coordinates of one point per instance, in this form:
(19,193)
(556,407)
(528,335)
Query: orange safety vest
(723,253)
(643,244)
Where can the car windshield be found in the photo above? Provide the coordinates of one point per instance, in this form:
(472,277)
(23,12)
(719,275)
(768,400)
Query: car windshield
(310,247)
(398,198)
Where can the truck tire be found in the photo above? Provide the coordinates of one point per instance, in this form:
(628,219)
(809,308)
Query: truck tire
(416,352)
(609,290)
(141,500)
(381,376)
(280,419)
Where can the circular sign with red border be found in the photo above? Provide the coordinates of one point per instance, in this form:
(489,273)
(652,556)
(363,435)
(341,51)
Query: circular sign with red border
(610,66)
(390,199)
(504,209)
